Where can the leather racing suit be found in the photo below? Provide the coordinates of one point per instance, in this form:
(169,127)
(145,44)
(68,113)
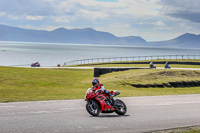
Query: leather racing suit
(101,88)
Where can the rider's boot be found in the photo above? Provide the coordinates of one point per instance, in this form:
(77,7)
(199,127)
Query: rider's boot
(113,103)
(112,100)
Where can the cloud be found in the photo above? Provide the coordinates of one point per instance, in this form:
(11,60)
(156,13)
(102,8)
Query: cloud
(74,7)
(187,15)
(62,19)
(2,13)
(34,17)
(182,9)
(158,23)
(93,15)
(119,17)
(115,16)
(108,0)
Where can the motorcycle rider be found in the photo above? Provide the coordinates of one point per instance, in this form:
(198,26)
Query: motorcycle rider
(151,64)
(37,64)
(166,64)
(98,87)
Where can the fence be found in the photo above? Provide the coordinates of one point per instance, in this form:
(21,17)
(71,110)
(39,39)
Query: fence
(134,58)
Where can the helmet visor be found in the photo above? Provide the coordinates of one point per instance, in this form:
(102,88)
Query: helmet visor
(94,83)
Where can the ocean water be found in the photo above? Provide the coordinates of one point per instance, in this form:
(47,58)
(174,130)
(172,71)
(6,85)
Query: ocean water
(51,54)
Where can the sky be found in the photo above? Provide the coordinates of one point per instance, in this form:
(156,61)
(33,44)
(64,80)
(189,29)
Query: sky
(153,20)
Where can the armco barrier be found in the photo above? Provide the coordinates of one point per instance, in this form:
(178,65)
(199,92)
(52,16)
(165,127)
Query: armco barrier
(133,58)
(160,62)
(98,71)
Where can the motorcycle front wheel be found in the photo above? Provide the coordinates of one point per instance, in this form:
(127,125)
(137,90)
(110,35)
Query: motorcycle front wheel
(93,108)
(120,110)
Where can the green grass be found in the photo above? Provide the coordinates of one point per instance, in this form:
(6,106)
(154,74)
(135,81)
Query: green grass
(28,84)
(193,129)
(152,76)
(121,80)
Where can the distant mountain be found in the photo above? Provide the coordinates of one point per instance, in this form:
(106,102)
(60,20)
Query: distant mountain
(62,35)
(91,36)
(187,40)
(131,39)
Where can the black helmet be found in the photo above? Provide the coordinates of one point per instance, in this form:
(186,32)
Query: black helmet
(95,82)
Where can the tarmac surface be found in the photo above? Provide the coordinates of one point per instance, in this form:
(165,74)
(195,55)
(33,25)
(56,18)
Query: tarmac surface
(145,114)
(107,67)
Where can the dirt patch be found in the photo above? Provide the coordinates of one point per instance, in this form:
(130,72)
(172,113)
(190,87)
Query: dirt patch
(169,84)
(167,73)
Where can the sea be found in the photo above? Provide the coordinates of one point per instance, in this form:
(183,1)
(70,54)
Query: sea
(52,54)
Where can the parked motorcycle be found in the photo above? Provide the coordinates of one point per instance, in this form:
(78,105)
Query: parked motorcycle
(98,102)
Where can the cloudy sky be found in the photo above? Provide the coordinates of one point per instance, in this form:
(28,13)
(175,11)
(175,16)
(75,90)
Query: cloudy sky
(153,20)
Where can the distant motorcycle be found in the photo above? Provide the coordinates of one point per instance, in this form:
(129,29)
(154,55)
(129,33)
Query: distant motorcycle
(98,102)
(153,66)
(167,67)
(35,64)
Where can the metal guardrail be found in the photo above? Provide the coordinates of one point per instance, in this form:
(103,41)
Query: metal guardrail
(133,58)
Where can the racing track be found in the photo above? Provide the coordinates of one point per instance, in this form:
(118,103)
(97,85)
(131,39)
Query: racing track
(144,114)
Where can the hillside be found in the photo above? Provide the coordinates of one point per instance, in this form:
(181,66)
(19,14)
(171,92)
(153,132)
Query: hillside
(62,35)
(91,36)
(187,40)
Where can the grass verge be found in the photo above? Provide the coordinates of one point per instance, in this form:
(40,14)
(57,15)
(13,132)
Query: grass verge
(28,84)
(193,129)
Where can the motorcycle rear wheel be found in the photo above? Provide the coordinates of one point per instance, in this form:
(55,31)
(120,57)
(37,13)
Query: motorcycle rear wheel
(120,110)
(93,108)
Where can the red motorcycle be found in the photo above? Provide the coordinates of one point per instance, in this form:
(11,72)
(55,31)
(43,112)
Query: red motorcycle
(98,102)
(35,64)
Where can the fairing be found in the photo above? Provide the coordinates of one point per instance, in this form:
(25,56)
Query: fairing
(99,97)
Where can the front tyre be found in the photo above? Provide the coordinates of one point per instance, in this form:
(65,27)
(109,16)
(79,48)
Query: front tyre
(122,109)
(93,108)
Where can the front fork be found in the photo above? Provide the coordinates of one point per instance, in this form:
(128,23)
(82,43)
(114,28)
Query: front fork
(93,106)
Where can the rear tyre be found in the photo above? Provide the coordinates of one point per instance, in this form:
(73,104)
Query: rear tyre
(93,108)
(120,110)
